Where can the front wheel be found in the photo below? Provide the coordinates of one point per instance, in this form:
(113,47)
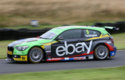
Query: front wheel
(101,52)
(35,55)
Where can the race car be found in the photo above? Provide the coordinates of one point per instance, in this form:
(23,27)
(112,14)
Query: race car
(64,43)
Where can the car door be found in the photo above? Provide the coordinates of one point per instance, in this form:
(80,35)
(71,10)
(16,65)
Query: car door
(66,45)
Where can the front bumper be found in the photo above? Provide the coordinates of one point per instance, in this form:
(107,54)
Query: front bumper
(12,57)
(17,58)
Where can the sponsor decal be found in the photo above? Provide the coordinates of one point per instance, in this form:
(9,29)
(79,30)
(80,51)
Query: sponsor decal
(70,49)
(55,59)
(67,58)
(91,35)
(80,58)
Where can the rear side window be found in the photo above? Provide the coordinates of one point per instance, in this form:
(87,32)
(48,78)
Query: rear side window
(72,34)
(91,33)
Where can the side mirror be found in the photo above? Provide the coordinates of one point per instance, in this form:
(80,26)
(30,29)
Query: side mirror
(59,38)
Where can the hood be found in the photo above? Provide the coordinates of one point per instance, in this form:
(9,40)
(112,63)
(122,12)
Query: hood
(23,41)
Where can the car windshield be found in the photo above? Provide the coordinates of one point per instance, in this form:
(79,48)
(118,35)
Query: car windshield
(48,35)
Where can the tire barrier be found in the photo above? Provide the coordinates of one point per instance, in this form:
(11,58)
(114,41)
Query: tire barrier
(120,25)
(10,34)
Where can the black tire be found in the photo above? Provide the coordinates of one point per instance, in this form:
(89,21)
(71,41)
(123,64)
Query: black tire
(101,52)
(35,55)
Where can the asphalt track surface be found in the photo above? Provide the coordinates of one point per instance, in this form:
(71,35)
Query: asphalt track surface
(5,67)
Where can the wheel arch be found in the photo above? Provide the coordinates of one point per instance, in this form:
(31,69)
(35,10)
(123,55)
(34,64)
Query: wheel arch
(102,44)
(99,44)
(40,48)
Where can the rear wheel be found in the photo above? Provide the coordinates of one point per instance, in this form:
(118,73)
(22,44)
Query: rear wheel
(101,52)
(35,55)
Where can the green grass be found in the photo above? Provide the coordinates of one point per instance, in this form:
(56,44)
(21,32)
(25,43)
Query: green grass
(79,74)
(42,26)
(30,27)
(46,25)
(119,40)
(3,48)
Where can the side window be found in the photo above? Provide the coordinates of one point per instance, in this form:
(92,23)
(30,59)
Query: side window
(71,34)
(91,33)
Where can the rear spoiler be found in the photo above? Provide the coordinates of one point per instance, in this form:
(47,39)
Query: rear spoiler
(110,27)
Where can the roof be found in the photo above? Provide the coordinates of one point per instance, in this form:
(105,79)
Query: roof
(61,29)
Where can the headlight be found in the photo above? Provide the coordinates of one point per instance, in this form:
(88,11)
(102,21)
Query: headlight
(22,48)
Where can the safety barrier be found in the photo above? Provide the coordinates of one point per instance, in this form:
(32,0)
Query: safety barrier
(10,34)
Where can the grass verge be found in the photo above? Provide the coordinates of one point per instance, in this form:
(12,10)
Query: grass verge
(119,41)
(47,25)
(118,38)
(30,27)
(42,26)
(3,48)
(79,74)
